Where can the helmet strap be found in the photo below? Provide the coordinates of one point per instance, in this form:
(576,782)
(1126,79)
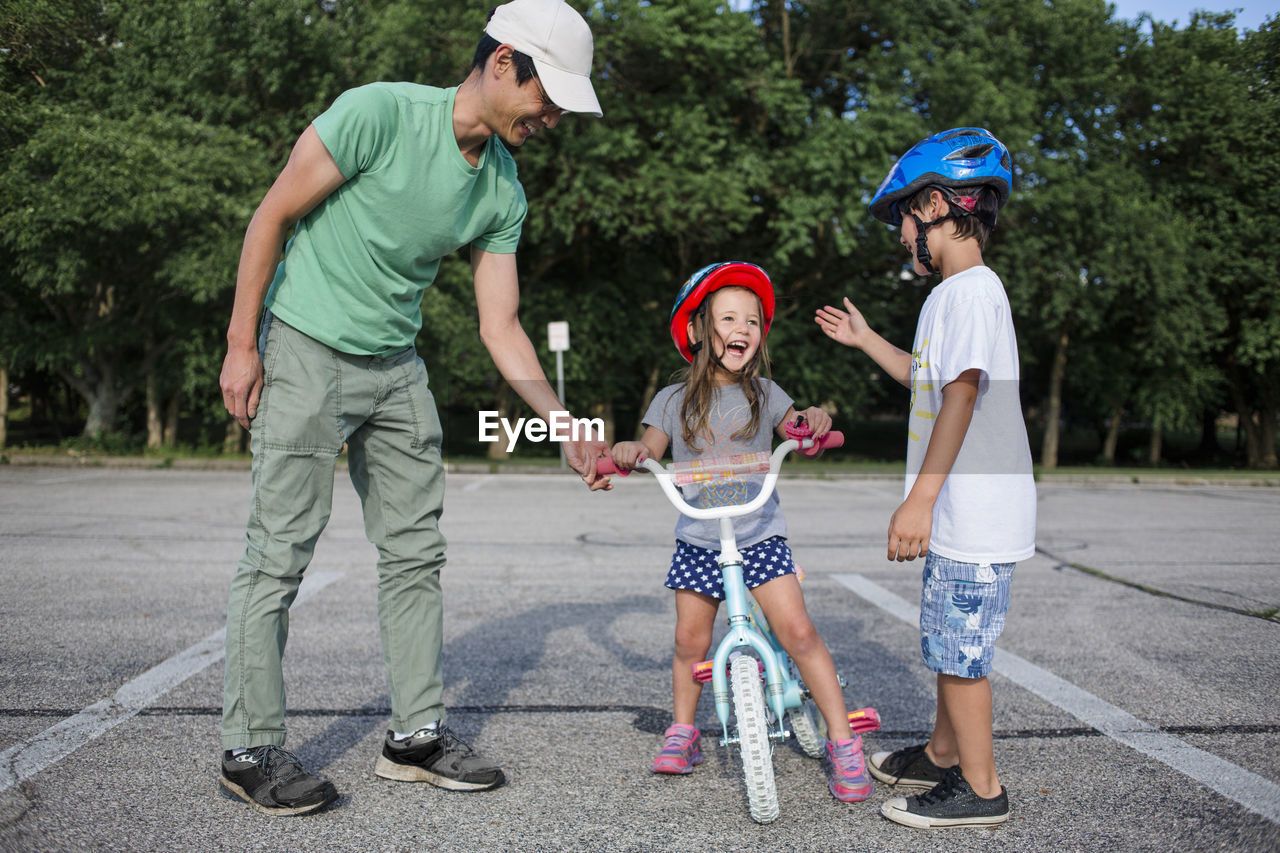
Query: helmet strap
(694,321)
(922,240)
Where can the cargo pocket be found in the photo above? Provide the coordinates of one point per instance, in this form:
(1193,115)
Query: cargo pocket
(427,431)
(953,597)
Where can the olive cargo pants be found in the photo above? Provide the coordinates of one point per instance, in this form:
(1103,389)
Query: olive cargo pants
(314,400)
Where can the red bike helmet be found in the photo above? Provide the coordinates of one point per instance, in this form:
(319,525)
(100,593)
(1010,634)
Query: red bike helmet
(694,292)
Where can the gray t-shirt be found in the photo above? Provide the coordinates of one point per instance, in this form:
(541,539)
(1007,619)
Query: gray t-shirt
(730,411)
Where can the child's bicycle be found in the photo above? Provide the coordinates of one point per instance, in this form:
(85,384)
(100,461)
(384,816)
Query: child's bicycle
(750,653)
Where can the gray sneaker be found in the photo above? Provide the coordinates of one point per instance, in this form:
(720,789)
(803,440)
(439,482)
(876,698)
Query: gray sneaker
(909,767)
(272,780)
(951,803)
(438,756)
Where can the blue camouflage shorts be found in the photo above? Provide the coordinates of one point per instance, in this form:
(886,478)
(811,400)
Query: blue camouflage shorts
(696,569)
(962,611)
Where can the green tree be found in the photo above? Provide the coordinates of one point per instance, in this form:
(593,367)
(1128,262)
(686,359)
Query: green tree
(114,234)
(1208,129)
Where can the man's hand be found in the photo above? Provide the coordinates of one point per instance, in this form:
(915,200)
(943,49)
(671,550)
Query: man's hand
(909,529)
(241,383)
(582,455)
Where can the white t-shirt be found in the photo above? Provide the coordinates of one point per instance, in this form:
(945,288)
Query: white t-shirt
(986,511)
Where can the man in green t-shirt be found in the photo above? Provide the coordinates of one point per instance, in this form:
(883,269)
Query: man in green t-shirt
(377,190)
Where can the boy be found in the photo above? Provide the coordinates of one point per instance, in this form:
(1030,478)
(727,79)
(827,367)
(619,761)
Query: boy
(970,497)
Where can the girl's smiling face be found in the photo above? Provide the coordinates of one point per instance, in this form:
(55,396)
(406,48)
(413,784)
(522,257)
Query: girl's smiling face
(737,327)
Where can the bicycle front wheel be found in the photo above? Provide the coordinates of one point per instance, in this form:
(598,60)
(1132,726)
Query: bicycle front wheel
(753,738)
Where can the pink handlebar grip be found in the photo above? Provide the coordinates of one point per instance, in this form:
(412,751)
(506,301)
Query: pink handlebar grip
(799,430)
(605,466)
(835,438)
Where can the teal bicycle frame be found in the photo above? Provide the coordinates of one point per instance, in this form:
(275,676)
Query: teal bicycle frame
(747,626)
(748,629)
(735,678)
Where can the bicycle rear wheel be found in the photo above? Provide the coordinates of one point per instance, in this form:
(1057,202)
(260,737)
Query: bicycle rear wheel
(807,724)
(753,738)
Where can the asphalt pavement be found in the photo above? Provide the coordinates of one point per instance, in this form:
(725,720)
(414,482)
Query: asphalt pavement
(1135,692)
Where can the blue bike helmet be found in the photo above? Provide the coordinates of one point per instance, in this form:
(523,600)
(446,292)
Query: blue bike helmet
(961,157)
(694,292)
(958,158)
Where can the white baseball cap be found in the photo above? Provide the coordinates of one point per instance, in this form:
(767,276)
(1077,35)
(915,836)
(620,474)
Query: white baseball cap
(558,40)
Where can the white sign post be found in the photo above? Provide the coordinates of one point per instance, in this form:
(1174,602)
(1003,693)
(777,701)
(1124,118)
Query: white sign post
(558,343)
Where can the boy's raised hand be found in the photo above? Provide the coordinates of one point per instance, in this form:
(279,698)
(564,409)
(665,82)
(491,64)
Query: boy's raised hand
(845,326)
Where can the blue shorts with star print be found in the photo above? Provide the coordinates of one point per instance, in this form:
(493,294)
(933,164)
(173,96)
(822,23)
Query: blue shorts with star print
(696,569)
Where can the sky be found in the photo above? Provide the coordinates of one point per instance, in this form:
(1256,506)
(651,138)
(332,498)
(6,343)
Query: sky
(1250,17)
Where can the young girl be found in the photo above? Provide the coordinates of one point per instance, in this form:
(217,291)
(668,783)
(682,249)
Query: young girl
(723,407)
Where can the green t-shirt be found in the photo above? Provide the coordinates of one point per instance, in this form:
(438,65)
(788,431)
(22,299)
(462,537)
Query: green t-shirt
(355,270)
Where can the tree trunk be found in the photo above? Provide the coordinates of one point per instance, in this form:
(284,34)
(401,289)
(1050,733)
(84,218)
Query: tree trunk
(155,426)
(98,388)
(1267,438)
(1113,436)
(650,391)
(1157,443)
(171,419)
(1208,449)
(1058,372)
(1267,403)
(498,449)
(4,405)
(1247,428)
(104,405)
(604,411)
(233,440)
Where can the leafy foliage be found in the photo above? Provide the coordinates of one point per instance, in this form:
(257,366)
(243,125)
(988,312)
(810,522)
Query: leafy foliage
(139,136)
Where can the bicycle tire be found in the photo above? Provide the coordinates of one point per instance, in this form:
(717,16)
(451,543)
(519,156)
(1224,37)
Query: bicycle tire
(807,724)
(753,739)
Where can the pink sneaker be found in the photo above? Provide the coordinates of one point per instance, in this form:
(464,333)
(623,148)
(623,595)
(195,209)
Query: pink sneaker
(847,771)
(680,750)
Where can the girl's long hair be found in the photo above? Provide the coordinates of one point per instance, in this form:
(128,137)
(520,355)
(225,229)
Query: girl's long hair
(700,386)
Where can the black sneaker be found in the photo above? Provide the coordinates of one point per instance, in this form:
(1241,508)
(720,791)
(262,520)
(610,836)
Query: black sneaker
(271,779)
(951,803)
(438,756)
(909,767)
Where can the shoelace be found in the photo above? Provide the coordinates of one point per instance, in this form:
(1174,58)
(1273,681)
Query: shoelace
(909,756)
(273,758)
(849,765)
(677,743)
(945,789)
(453,743)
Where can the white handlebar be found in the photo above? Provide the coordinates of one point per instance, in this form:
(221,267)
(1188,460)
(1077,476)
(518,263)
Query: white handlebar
(677,498)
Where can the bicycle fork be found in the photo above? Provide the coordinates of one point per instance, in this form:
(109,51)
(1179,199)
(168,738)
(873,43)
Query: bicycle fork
(743,635)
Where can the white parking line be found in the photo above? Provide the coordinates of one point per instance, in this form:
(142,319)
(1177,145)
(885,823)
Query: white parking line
(27,758)
(1248,789)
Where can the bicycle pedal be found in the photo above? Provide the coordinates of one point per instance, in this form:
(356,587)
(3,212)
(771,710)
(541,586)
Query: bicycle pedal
(864,720)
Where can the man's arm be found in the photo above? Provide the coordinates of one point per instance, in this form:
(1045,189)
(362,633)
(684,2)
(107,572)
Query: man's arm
(912,523)
(498,301)
(308,177)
